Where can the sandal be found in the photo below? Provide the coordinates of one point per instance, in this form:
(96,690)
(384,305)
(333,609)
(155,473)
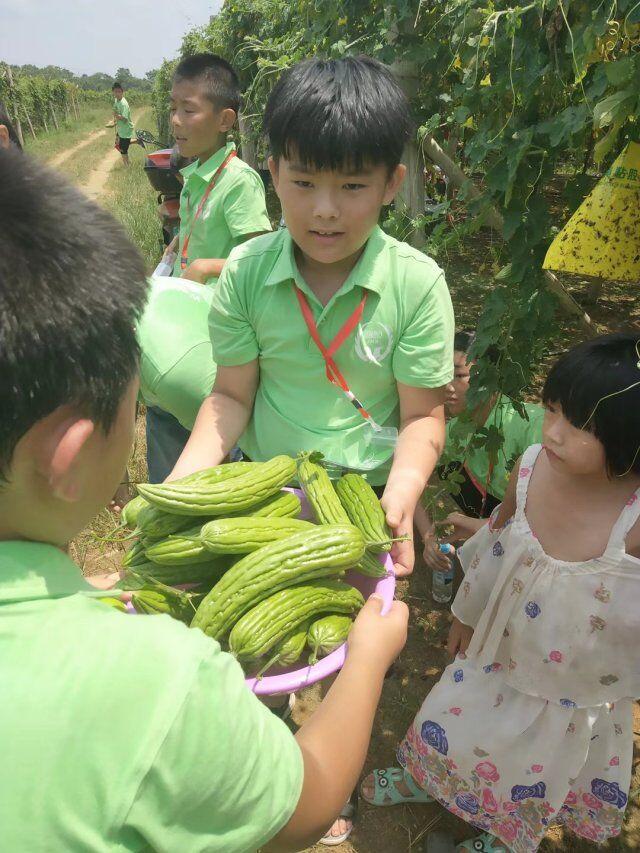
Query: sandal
(386,792)
(440,842)
(348,812)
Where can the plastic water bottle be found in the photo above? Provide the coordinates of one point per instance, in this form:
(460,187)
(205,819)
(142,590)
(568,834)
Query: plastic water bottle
(165,267)
(442,582)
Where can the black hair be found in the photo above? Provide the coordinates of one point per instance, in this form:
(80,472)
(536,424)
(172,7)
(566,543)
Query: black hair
(221,84)
(6,121)
(72,287)
(117,85)
(581,380)
(464,340)
(338,114)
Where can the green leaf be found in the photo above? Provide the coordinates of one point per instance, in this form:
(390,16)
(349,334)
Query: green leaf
(613,107)
(620,71)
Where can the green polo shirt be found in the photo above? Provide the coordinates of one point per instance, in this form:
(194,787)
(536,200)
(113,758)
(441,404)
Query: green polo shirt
(176,367)
(235,208)
(405,335)
(124,125)
(126,733)
(519,433)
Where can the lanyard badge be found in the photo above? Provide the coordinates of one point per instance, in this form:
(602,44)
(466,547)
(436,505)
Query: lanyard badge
(378,435)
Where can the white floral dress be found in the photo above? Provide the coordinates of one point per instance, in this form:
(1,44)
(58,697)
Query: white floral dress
(535,725)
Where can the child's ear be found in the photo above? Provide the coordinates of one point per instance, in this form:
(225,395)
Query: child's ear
(60,453)
(4,136)
(394,183)
(273,170)
(227,119)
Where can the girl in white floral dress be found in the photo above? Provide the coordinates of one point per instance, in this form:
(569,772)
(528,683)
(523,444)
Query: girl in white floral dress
(533,725)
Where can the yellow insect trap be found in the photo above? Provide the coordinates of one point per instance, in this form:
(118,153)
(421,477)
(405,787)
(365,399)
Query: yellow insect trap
(602,238)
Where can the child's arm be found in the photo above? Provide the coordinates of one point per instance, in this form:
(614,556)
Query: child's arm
(433,557)
(221,420)
(203,269)
(420,444)
(508,505)
(332,762)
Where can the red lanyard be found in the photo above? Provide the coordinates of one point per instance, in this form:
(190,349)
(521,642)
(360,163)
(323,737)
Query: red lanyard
(332,370)
(203,201)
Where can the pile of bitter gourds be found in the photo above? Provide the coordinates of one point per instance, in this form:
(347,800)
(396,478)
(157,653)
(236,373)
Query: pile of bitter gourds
(224,551)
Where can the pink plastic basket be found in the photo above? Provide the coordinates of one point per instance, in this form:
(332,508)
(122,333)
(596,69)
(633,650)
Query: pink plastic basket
(294,679)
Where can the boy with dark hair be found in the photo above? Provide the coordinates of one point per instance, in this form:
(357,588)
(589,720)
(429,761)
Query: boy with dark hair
(333,297)
(8,135)
(122,118)
(120,732)
(222,203)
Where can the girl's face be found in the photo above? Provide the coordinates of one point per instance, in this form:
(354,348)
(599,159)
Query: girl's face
(568,448)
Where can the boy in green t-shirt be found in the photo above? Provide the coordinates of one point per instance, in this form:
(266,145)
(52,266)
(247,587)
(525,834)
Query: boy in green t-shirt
(484,482)
(222,202)
(337,130)
(123,732)
(122,118)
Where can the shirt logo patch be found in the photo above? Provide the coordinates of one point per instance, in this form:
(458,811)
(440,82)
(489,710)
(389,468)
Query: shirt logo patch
(373,342)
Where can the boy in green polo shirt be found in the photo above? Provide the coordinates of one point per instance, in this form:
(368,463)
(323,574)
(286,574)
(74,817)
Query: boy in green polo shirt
(337,130)
(222,202)
(122,118)
(118,732)
(484,482)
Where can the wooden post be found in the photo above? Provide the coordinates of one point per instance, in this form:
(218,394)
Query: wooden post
(411,195)
(249,154)
(16,117)
(53,114)
(28,117)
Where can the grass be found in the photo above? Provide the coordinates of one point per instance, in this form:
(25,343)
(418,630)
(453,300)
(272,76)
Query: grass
(132,200)
(47,145)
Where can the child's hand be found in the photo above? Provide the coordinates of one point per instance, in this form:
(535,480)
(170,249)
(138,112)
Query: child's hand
(433,557)
(400,520)
(172,247)
(379,638)
(464,526)
(459,638)
(197,271)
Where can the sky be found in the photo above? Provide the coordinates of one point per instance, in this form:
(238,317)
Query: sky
(88,36)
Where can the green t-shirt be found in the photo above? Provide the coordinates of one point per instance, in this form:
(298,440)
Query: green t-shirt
(235,208)
(177,369)
(518,432)
(126,733)
(405,335)
(124,125)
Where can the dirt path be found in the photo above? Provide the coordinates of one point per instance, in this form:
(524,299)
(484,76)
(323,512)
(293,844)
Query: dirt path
(100,175)
(61,158)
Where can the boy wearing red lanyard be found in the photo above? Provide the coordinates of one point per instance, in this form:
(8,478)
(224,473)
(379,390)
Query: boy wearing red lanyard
(330,334)
(222,202)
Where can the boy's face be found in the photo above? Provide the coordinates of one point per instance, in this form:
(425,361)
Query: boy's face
(330,215)
(117,94)
(456,401)
(196,123)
